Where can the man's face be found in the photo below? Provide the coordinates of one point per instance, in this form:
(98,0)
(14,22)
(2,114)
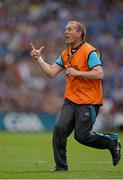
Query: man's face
(72,35)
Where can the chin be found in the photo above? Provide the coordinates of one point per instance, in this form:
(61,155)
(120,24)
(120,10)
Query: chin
(68,43)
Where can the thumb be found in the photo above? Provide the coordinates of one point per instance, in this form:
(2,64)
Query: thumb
(66,66)
(41,48)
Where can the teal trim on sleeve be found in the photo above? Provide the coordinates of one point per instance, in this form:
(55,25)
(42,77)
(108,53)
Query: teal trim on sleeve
(93,60)
(59,61)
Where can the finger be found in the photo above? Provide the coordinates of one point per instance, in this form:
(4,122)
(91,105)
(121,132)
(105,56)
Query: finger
(35,56)
(32,45)
(67,72)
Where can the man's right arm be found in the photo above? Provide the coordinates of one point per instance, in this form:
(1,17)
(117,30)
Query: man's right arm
(49,70)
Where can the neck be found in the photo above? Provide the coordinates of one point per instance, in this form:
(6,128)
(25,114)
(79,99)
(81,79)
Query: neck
(75,45)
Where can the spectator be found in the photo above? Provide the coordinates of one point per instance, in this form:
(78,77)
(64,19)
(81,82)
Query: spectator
(44,21)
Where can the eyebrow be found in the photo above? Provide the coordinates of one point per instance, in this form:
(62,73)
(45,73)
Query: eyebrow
(67,27)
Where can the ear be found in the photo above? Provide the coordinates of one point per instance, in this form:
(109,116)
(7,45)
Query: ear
(79,34)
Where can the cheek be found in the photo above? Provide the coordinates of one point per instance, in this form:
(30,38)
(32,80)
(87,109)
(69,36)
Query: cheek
(73,37)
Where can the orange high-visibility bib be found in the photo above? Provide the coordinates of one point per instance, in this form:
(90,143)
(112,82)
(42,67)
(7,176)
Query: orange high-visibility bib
(78,89)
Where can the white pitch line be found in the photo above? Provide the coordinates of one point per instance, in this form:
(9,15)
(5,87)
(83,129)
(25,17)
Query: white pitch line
(40,161)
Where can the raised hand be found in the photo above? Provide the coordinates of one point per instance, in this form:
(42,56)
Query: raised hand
(35,53)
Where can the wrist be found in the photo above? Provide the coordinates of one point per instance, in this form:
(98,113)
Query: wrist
(80,73)
(39,59)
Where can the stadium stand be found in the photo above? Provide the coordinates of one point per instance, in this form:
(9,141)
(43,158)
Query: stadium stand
(22,87)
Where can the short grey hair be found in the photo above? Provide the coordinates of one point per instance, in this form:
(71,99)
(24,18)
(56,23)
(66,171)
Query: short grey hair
(81,28)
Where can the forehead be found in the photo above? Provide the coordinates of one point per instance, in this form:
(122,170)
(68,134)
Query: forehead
(72,24)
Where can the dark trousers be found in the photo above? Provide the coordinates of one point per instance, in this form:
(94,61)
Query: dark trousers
(79,118)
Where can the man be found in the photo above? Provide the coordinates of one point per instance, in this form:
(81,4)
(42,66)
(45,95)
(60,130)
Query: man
(83,95)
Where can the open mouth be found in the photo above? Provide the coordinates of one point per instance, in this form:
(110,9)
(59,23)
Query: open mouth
(67,37)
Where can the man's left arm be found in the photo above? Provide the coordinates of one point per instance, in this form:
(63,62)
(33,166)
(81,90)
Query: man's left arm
(94,64)
(95,73)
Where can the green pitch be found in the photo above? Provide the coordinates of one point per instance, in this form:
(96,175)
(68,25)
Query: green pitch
(30,156)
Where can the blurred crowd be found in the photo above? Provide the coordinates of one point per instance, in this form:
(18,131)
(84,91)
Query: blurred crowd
(22,86)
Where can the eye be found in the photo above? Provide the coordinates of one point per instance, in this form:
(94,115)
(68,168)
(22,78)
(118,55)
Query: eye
(68,29)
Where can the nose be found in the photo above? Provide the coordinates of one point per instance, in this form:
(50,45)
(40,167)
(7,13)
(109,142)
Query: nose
(66,31)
